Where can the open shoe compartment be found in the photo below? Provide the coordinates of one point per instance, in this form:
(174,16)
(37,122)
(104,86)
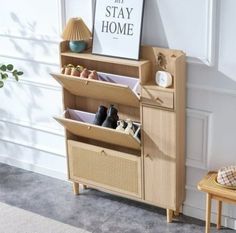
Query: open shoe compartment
(115,88)
(81,124)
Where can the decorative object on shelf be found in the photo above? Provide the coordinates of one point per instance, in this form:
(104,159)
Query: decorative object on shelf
(5,70)
(112,118)
(161,61)
(226,177)
(77,33)
(117,28)
(100,115)
(163,79)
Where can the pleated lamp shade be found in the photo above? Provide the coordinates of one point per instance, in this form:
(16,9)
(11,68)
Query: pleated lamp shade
(77,33)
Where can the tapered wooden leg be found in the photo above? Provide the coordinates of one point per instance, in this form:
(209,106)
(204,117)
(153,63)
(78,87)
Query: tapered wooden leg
(76,188)
(208,213)
(176,213)
(219,211)
(169,215)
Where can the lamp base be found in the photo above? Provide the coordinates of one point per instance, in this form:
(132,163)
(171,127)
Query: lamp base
(77,46)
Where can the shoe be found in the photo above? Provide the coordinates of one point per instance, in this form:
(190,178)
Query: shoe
(100,116)
(121,126)
(93,75)
(75,72)
(112,118)
(79,68)
(130,129)
(63,70)
(85,73)
(137,133)
(68,69)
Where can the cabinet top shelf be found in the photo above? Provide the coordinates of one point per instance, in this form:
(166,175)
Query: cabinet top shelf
(88,56)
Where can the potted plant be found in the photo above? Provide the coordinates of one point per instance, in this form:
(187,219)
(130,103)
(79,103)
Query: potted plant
(7,70)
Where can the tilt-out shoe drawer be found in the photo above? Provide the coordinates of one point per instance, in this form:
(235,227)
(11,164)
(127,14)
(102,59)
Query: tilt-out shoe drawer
(112,170)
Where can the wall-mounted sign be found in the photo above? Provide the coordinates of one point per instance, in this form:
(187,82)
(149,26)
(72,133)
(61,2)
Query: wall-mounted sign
(117,28)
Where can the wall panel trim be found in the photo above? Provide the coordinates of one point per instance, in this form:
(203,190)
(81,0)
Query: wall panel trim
(196,161)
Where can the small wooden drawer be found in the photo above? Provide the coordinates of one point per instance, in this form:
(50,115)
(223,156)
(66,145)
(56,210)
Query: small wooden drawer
(157,97)
(109,169)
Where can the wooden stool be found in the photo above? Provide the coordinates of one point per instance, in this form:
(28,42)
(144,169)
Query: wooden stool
(208,184)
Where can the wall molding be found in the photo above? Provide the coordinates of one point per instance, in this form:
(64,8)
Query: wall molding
(30,60)
(221,91)
(61,14)
(33,146)
(200,161)
(33,126)
(33,168)
(39,37)
(210,53)
(45,85)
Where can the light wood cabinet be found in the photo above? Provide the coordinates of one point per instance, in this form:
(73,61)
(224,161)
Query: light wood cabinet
(151,170)
(159,138)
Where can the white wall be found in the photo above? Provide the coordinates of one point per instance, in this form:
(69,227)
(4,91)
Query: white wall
(204,29)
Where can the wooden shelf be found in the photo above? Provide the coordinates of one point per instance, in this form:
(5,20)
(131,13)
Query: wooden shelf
(83,127)
(96,89)
(91,57)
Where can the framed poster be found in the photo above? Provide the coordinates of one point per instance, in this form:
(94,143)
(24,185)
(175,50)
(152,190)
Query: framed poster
(117,28)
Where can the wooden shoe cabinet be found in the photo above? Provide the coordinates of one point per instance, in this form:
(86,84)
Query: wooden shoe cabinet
(152,171)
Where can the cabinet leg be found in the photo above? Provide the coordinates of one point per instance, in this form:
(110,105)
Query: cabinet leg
(76,188)
(219,211)
(208,213)
(85,186)
(169,215)
(176,213)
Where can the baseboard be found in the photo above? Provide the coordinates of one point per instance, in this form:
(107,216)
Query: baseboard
(198,213)
(33,167)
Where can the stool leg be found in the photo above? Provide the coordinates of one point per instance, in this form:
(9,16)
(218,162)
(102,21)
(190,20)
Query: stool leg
(208,213)
(218,226)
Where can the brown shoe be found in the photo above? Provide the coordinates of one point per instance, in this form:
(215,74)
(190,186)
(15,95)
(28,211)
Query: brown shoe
(93,75)
(75,72)
(85,73)
(68,69)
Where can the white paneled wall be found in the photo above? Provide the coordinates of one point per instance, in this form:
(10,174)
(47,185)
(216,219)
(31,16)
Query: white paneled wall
(29,137)
(204,29)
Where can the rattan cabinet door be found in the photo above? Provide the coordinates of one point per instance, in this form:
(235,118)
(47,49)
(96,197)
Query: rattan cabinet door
(112,170)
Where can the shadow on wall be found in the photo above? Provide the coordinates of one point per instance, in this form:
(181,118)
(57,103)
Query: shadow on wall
(21,100)
(153,28)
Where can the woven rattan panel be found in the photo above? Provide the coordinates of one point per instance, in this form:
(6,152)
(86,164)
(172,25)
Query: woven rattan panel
(105,167)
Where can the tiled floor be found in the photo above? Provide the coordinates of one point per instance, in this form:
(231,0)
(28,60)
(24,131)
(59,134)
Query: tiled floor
(92,210)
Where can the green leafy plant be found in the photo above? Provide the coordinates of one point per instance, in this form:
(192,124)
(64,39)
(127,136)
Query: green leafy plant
(8,70)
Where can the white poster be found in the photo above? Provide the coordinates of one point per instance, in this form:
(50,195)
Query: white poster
(117,28)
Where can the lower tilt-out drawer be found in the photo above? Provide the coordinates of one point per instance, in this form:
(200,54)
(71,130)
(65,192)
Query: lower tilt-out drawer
(105,168)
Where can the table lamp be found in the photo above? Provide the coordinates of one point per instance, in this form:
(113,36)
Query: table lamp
(76,32)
